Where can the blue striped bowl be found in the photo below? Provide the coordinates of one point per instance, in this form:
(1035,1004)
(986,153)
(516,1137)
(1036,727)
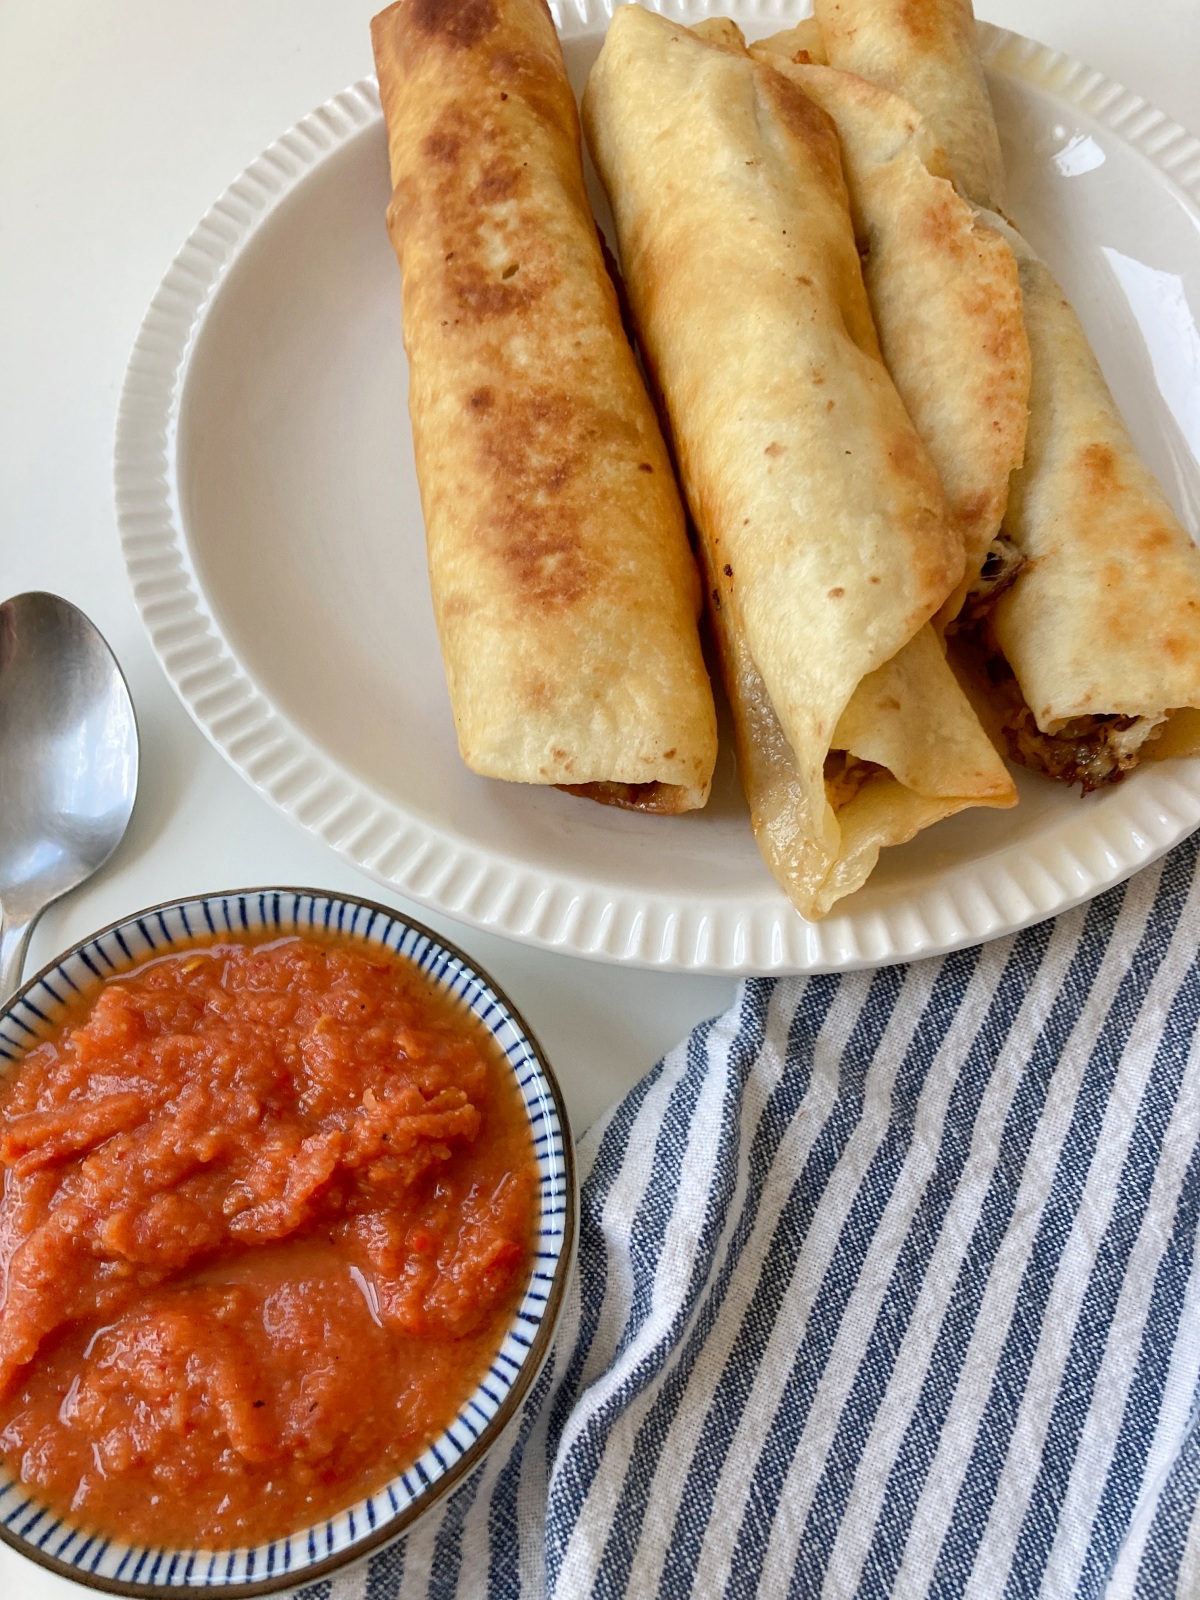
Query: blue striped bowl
(73,1551)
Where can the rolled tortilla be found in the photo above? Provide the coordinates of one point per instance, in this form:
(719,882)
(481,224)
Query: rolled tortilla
(943,289)
(564,590)
(823,526)
(926,51)
(1083,652)
(908,751)
(1101,625)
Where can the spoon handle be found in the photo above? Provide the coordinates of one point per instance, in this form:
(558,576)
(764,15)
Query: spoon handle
(14,940)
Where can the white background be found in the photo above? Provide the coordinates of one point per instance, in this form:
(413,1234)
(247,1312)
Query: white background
(120,122)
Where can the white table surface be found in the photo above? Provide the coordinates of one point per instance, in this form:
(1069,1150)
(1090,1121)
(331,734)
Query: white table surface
(119,124)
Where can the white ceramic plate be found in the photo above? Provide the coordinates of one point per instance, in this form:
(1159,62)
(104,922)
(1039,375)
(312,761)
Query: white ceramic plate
(272,529)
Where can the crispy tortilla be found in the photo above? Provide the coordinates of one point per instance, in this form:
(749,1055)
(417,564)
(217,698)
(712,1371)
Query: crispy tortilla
(1087,653)
(1103,620)
(944,293)
(824,530)
(565,594)
(907,752)
(927,51)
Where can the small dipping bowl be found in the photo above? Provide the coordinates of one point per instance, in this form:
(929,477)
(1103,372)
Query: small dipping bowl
(106,1564)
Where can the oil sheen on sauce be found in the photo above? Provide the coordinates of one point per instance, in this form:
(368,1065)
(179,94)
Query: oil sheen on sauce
(267,1208)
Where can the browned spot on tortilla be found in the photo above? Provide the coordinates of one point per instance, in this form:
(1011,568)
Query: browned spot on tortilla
(498,181)
(461,23)
(543,557)
(818,376)
(535,77)
(484,297)
(536,447)
(805,121)
(975,505)
(905,451)
(482,399)
(1103,484)
(927,23)
(836,594)
(1099,465)
(943,224)
(727,570)
(472,171)
(921,19)
(443,148)
(644,466)
(774,448)
(998,318)
(874,578)
(889,703)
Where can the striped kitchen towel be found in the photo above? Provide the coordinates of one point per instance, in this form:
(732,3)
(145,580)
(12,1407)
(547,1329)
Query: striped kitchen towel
(887,1287)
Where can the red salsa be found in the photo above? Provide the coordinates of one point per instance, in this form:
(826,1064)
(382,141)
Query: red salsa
(267,1209)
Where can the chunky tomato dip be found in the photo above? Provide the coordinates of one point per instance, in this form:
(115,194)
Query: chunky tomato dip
(267,1209)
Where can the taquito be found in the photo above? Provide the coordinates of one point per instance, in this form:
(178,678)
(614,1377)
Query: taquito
(926,51)
(1082,648)
(943,290)
(1092,652)
(822,522)
(563,586)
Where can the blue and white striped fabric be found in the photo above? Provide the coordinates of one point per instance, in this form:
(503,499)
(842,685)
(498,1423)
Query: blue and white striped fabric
(887,1287)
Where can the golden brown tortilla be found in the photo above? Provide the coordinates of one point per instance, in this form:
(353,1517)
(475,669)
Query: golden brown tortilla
(565,593)
(943,289)
(824,529)
(1085,645)
(907,752)
(926,51)
(1103,621)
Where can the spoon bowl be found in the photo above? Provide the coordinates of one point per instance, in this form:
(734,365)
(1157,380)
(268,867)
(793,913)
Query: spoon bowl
(68,762)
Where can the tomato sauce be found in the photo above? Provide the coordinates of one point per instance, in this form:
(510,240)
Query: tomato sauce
(267,1209)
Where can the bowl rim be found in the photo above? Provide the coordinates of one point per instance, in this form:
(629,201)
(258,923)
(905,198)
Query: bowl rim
(392,1527)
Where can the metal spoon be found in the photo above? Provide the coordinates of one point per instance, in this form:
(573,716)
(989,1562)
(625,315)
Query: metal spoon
(68,763)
